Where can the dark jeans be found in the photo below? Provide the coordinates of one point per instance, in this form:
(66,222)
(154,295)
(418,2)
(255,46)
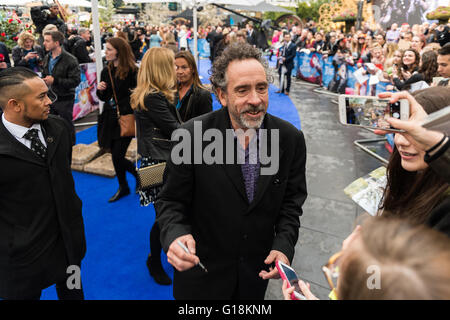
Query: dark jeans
(64,109)
(121,164)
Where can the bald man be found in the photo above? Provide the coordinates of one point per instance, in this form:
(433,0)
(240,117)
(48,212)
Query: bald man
(42,239)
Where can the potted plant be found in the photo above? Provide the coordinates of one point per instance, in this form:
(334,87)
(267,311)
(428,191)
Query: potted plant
(348,16)
(441,13)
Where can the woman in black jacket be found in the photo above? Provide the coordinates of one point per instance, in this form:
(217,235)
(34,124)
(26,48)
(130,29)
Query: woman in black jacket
(118,78)
(156,118)
(27,53)
(193,99)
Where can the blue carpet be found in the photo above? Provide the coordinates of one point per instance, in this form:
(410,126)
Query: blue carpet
(117,234)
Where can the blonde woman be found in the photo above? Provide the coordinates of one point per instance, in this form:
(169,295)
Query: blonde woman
(156,118)
(27,53)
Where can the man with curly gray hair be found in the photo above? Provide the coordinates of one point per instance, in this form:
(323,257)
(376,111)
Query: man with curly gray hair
(236,218)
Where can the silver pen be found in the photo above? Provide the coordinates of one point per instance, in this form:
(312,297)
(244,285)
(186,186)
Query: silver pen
(187,251)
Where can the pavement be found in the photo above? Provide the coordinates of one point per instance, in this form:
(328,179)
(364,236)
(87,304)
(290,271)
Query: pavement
(333,162)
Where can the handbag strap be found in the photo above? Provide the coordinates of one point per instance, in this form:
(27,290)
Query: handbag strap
(114,90)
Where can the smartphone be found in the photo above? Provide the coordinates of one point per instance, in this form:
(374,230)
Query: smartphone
(288,274)
(370,112)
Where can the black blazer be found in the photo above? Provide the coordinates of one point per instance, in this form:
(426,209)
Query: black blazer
(155,125)
(233,237)
(289,54)
(251,38)
(123,89)
(41,225)
(199,102)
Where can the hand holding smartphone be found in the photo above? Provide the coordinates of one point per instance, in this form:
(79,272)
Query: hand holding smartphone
(288,274)
(371,112)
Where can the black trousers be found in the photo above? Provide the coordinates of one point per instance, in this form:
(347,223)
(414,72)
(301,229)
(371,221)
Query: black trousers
(64,109)
(63,292)
(121,164)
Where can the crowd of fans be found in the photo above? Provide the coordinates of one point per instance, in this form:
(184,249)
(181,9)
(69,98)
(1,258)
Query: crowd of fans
(405,56)
(414,258)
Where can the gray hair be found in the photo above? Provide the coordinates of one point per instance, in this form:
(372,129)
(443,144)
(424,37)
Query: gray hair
(235,51)
(82,31)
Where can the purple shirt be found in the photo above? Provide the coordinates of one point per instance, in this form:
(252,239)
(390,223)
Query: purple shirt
(250,169)
(392,36)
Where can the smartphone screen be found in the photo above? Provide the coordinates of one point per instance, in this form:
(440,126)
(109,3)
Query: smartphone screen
(371,112)
(292,277)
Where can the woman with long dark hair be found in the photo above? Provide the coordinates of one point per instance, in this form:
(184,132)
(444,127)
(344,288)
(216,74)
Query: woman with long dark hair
(414,191)
(407,67)
(193,99)
(156,118)
(118,79)
(428,67)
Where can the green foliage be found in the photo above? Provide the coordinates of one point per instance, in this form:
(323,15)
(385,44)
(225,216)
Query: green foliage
(10,27)
(106,14)
(310,10)
(118,3)
(275,15)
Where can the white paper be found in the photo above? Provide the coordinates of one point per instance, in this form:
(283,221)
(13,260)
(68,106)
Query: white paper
(418,86)
(359,76)
(373,80)
(307,51)
(370,66)
(368,191)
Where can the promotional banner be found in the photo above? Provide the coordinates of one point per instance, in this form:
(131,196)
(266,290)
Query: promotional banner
(338,78)
(86,99)
(202,47)
(309,67)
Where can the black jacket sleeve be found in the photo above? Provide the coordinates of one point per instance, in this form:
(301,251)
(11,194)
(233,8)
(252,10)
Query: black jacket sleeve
(80,52)
(403,85)
(73,78)
(158,110)
(203,103)
(105,95)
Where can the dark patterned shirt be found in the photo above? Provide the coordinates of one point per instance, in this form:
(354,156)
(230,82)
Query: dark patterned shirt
(251,168)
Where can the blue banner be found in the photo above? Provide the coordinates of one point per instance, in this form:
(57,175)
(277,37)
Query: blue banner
(202,47)
(313,68)
(309,67)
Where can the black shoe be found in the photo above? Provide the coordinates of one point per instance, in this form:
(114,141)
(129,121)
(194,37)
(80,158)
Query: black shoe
(119,194)
(156,270)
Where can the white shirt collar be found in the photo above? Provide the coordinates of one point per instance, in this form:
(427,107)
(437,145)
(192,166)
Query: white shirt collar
(16,130)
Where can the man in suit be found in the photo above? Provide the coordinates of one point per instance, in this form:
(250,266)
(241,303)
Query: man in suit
(287,54)
(234,216)
(251,34)
(42,238)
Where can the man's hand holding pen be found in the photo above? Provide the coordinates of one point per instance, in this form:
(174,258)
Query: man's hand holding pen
(177,255)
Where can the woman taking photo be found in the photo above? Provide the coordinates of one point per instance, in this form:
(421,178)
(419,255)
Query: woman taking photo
(27,53)
(193,99)
(156,118)
(118,78)
(408,66)
(426,72)
(414,191)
